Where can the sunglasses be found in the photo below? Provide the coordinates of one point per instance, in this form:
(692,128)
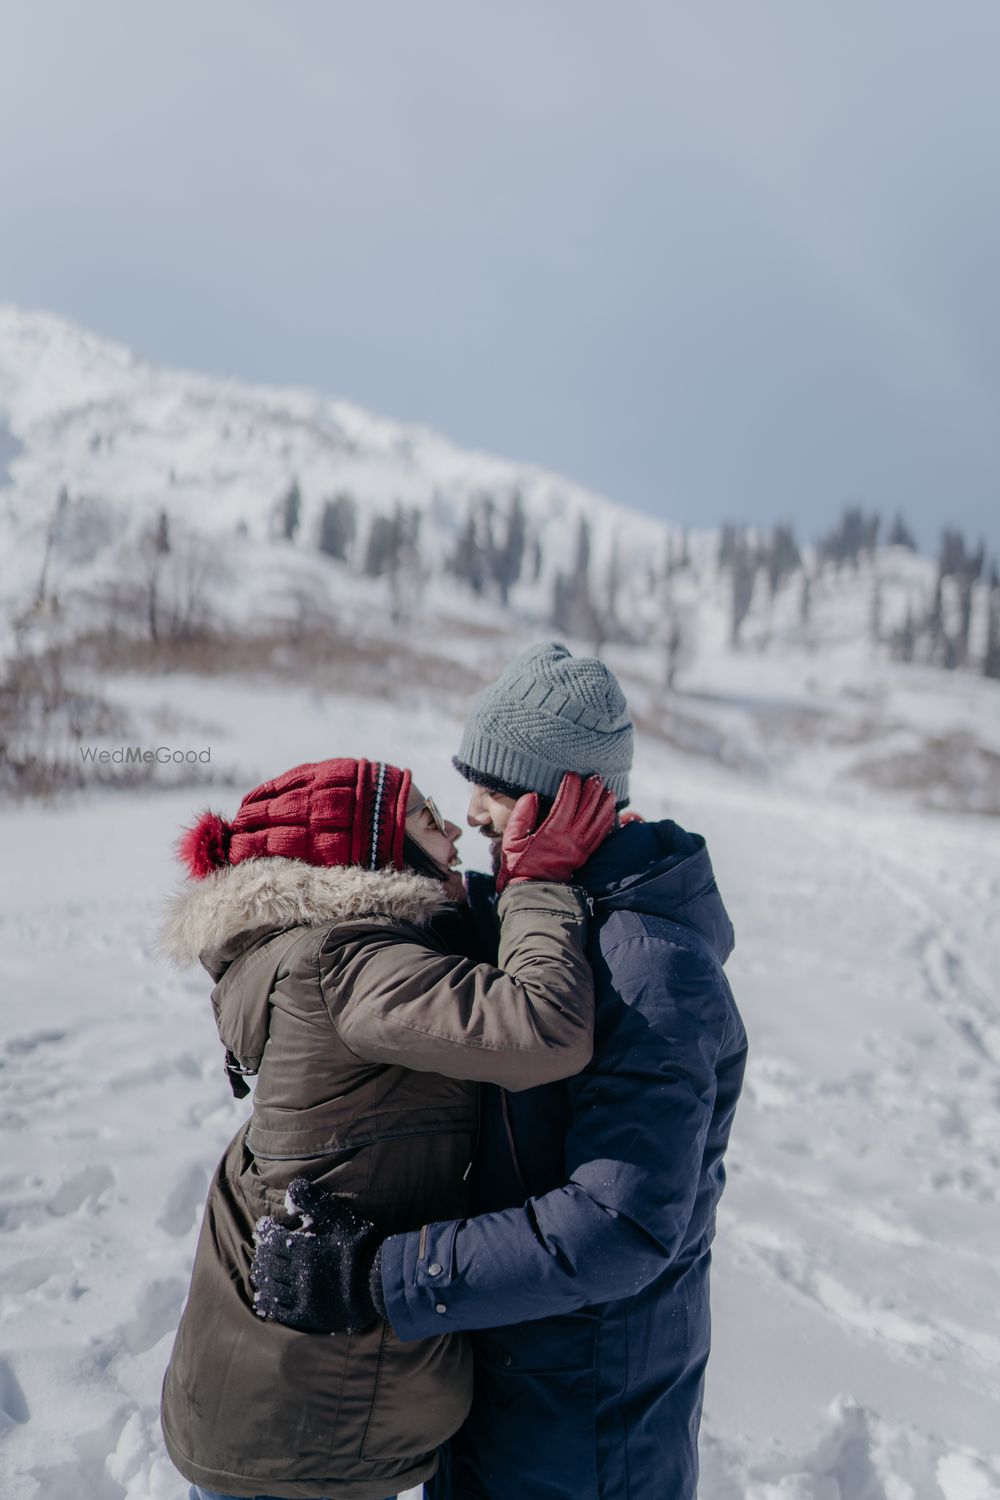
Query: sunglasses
(430,806)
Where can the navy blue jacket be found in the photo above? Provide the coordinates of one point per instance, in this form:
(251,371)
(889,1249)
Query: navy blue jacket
(586,1264)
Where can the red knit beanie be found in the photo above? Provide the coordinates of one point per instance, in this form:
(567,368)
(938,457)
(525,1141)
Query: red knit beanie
(330,812)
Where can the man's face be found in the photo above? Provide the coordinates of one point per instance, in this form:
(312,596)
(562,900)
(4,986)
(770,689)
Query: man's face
(489,812)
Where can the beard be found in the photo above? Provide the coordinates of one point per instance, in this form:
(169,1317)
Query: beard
(495,838)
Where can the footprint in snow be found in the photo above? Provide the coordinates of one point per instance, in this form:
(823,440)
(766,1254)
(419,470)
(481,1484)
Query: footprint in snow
(27,1275)
(773,1086)
(866,1457)
(88,1183)
(13,1405)
(86,1474)
(790,1263)
(184,1201)
(18,1046)
(158,1310)
(184,1065)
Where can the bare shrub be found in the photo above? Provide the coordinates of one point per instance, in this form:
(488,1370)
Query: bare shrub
(312,647)
(43,718)
(950,772)
(164,586)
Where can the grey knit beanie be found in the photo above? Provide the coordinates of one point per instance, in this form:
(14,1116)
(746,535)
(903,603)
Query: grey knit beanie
(547,713)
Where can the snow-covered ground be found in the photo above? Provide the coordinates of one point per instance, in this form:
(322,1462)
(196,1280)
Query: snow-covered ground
(857,1322)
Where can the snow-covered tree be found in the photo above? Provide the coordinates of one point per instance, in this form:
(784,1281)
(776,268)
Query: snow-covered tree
(744,574)
(338,525)
(900,535)
(290,511)
(509,556)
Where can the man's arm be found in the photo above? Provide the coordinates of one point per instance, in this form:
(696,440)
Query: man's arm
(640,1116)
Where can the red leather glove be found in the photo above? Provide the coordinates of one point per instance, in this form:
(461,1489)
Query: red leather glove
(582,816)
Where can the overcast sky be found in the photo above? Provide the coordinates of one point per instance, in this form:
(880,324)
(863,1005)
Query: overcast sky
(719,259)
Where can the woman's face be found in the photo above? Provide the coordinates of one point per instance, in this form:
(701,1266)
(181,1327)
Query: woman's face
(437,840)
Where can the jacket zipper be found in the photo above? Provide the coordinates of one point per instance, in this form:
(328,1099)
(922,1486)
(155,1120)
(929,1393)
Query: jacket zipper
(510,1142)
(475,1138)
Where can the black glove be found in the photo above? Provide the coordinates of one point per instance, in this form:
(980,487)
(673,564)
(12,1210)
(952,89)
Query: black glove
(325,1277)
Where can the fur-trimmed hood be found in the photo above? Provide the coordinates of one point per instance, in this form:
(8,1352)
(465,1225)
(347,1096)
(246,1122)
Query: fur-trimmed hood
(226,912)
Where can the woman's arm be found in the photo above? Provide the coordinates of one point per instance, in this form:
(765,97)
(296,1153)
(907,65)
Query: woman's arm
(527,1021)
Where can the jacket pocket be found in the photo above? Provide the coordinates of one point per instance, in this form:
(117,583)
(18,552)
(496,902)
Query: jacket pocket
(423,1392)
(565,1343)
(530,1405)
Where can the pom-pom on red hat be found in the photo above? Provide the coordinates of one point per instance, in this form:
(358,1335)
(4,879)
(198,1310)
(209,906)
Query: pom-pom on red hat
(328,812)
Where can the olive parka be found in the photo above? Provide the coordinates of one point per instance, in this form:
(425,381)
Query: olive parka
(368,1036)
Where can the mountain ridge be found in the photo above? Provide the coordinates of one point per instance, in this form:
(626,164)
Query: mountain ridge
(56,374)
(113,470)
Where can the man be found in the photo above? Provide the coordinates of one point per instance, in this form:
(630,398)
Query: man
(585,1266)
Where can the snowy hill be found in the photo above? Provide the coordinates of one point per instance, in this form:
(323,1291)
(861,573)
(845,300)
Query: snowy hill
(102,453)
(153,521)
(126,441)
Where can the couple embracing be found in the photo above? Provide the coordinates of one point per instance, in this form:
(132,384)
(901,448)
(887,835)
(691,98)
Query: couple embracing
(464,1237)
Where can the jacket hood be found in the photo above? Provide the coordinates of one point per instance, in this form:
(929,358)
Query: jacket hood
(662,869)
(216,919)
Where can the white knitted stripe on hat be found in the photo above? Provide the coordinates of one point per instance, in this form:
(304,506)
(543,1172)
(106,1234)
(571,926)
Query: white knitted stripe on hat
(377,814)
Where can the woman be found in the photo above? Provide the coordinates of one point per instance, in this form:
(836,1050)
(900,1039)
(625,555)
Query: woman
(321,911)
